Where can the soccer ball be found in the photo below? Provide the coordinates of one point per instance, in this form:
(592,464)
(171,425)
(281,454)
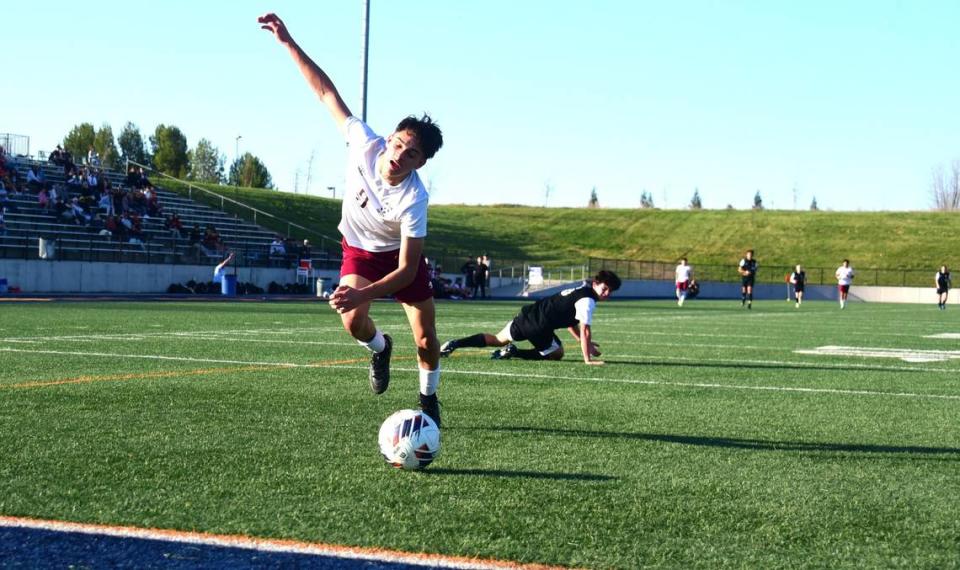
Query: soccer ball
(409,439)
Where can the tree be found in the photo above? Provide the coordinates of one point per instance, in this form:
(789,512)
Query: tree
(79,140)
(206,163)
(695,203)
(813,205)
(132,146)
(547,190)
(594,202)
(646,200)
(945,187)
(170,151)
(105,146)
(249,172)
(757,201)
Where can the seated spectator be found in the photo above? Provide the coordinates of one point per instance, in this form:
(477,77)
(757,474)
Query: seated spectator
(111,225)
(80,215)
(56,156)
(11,207)
(277,247)
(132,178)
(93,158)
(64,212)
(3,189)
(105,204)
(74,182)
(212,241)
(34,178)
(305,251)
(43,199)
(174,225)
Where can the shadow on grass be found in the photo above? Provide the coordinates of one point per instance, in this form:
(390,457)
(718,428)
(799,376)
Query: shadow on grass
(520,474)
(952,453)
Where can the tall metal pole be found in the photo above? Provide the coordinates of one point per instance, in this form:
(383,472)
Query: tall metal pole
(363,62)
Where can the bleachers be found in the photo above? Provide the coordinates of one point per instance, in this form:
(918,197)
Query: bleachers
(27,222)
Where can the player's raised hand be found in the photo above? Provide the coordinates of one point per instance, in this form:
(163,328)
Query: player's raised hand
(275,25)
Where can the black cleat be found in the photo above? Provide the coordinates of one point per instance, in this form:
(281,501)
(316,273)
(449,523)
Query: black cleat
(380,367)
(431,406)
(448,347)
(504,353)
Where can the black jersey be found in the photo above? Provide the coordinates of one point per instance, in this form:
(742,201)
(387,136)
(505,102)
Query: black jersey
(749,265)
(943,280)
(557,311)
(798,279)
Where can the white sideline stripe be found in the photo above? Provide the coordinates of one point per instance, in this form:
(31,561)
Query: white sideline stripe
(697,385)
(259,544)
(944,335)
(908,354)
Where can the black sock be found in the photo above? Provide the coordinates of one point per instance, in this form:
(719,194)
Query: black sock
(529,354)
(750,297)
(476,341)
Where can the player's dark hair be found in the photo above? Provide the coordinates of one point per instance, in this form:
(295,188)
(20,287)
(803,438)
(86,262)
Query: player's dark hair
(609,278)
(846,261)
(428,134)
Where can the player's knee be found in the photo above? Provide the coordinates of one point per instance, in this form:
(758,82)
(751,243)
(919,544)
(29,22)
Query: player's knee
(426,341)
(555,355)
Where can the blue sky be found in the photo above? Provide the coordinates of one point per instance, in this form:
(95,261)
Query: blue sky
(851,102)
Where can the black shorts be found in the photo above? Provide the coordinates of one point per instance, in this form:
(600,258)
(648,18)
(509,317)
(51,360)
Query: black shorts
(942,290)
(747,281)
(540,339)
(798,287)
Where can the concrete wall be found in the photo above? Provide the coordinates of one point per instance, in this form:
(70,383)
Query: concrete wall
(39,276)
(711,290)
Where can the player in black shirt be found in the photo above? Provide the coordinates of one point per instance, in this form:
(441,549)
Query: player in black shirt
(799,280)
(943,286)
(571,309)
(748,270)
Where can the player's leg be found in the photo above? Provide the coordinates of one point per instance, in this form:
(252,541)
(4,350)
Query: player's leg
(361,327)
(750,295)
(422,318)
(479,340)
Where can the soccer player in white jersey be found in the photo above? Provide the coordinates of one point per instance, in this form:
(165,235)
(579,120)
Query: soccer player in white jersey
(684,274)
(384,223)
(845,277)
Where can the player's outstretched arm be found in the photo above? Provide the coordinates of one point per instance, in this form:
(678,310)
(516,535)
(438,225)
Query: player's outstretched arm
(587,346)
(316,78)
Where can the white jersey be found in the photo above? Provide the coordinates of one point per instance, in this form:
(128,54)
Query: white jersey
(683,273)
(844,275)
(376,215)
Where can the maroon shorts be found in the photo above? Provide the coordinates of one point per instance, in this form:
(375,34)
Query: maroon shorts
(375,265)
(844,288)
(682,285)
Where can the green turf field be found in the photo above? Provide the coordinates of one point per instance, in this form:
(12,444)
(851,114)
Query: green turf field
(706,441)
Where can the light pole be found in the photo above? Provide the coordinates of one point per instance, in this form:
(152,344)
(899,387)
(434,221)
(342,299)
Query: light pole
(363,63)
(333,191)
(236,147)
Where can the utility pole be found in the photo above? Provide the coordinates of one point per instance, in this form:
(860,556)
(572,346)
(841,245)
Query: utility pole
(363,60)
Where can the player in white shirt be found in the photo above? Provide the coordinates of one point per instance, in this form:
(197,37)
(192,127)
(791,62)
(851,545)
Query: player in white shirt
(684,274)
(384,223)
(845,277)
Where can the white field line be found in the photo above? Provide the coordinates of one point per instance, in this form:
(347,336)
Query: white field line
(951,336)
(265,545)
(906,354)
(696,385)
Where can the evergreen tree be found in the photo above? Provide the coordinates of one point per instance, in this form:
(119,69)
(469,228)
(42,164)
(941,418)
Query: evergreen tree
(247,171)
(206,163)
(813,205)
(170,151)
(695,203)
(79,141)
(105,146)
(646,200)
(757,201)
(132,146)
(594,201)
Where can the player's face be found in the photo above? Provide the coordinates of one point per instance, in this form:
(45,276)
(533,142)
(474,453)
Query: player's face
(403,154)
(602,290)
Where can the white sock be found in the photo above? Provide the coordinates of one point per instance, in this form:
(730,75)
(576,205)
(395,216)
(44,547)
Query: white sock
(376,344)
(429,381)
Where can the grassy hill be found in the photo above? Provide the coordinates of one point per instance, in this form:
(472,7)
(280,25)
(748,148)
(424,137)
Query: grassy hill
(571,236)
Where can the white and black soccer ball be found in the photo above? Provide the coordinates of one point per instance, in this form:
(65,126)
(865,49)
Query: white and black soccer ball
(409,439)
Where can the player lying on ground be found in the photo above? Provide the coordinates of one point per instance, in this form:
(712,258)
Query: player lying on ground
(384,223)
(571,309)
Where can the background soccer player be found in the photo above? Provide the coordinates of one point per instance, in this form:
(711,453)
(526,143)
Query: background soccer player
(844,276)
(942,279)
(571,309)
(683,275)
(799,280)
(748,271)
(384,223)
